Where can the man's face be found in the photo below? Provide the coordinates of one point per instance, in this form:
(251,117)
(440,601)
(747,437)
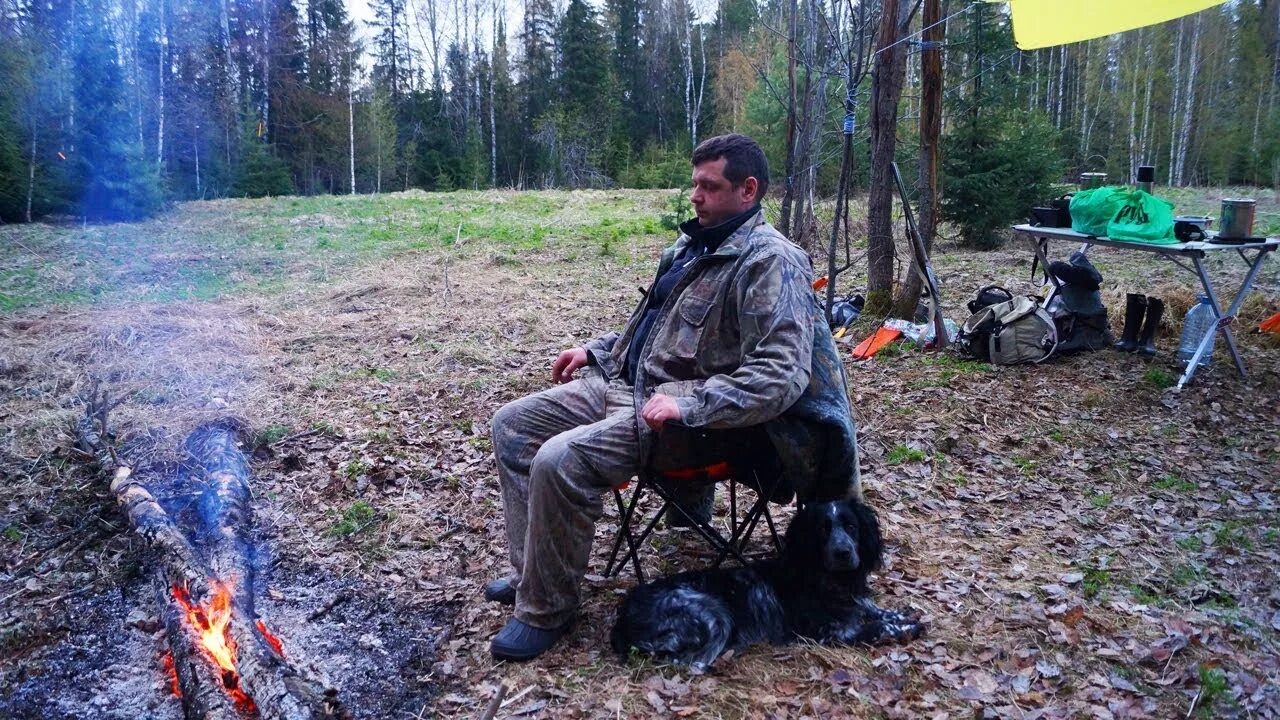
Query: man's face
(714,198)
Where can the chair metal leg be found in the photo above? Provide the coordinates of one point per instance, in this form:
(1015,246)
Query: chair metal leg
(626,516)
(773,530)
(708,533)
(735,545)
(738,543)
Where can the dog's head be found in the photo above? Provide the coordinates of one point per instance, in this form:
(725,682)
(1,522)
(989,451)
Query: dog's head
(839,537)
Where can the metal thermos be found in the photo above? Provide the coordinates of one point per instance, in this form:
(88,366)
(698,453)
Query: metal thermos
(1236,219)
(1146,177)
(1092,180)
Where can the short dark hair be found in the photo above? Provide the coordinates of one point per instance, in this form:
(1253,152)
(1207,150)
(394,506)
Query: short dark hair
(743,158)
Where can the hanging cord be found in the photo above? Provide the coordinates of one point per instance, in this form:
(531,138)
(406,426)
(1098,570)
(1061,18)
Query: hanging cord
(921,31)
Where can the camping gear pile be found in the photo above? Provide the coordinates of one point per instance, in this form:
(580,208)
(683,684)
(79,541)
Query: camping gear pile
(1076,308)
(1010,332)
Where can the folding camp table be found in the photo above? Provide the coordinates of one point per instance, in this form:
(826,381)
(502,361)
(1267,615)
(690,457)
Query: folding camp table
(1179,254)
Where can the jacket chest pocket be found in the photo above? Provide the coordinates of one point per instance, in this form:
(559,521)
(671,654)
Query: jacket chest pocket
(698,317)
(695,309)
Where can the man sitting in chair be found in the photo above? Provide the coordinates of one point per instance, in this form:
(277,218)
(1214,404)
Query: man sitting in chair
(729,335)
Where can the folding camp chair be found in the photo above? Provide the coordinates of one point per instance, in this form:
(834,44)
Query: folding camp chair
(691,458)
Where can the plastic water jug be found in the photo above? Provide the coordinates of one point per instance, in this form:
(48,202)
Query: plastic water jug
(1200,320)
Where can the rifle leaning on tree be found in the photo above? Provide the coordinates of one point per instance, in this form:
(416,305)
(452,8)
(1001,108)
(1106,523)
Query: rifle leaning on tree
(923,267)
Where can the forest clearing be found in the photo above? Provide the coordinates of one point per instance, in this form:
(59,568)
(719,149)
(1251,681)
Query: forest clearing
(1079,539)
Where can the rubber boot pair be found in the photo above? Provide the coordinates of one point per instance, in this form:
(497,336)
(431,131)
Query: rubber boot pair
(1140,336)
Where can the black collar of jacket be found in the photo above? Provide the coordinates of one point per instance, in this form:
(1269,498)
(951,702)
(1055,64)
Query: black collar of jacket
(711,237)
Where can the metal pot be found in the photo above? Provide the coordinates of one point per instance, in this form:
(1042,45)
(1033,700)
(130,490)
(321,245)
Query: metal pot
(1092,180)
(1237,217)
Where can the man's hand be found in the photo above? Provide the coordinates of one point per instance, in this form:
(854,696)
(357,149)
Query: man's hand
(658,410)
(567,363)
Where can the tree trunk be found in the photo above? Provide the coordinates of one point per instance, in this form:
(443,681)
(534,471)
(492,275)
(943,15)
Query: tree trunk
(886,89)
(1188,105)
(788,196)
(266,70)
(67,73)
(855,71)
(1133,121)
(226,44)
(493,126)
(135,70)
(1176,91)
(196,143)
(930,152)
(31,172)
(1144,141)
(702,86)
(1062,85)
(1034,96)
(1083,83)
(164,58)
(351,131)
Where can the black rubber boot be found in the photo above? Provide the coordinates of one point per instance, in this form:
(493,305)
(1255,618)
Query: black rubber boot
(520,641)
(697,501)
(1135,307)
(1147,343)
(501,590)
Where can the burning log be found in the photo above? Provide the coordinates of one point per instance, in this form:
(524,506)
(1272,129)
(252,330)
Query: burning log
(224,662)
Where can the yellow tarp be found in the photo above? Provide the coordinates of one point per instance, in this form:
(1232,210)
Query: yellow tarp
(1041,23)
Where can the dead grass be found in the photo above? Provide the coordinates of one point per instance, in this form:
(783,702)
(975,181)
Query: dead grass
(380,375)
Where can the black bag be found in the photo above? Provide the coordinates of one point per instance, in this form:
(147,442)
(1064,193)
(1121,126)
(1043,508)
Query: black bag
(1077,307)
(1082,332)
(989,295)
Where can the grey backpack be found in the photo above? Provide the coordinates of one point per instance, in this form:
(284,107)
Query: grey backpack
(1010,332)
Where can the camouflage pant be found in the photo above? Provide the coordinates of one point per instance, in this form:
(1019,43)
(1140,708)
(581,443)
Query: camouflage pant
(558,452)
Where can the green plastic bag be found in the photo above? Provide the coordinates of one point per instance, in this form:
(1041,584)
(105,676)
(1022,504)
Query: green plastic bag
(1091,210)
(1142,217)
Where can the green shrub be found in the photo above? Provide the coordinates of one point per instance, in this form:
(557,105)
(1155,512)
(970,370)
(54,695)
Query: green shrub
(678,210)
(994,170)
(261,173)
(1159,378)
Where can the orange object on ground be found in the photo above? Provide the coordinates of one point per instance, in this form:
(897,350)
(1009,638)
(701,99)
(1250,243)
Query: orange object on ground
(1271,324)
(875,343)
(820,283)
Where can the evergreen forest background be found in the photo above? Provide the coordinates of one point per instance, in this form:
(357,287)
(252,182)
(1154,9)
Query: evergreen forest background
(111,108)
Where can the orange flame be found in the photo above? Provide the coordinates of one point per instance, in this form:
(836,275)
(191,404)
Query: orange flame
(271,639)
(213,625)
(172,672)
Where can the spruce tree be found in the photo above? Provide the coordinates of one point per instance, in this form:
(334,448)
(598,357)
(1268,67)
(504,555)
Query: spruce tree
(392,56)
(260,173)
(629,68)
(582,60)
(505,120)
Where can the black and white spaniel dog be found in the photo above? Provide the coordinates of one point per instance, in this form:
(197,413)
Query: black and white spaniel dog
(816,590)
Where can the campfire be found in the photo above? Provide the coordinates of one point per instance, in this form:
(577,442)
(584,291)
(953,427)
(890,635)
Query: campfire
(223,661)
(213,624)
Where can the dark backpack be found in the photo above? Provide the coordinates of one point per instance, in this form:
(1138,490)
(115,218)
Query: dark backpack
(989,295)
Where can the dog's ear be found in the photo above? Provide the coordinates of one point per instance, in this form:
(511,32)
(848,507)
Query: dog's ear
(802,539)
(870,545)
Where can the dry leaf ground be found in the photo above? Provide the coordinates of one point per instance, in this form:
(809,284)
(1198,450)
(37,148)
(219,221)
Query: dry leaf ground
(1081,541)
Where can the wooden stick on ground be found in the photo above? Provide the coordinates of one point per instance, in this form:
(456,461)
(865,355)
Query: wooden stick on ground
(495,703)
